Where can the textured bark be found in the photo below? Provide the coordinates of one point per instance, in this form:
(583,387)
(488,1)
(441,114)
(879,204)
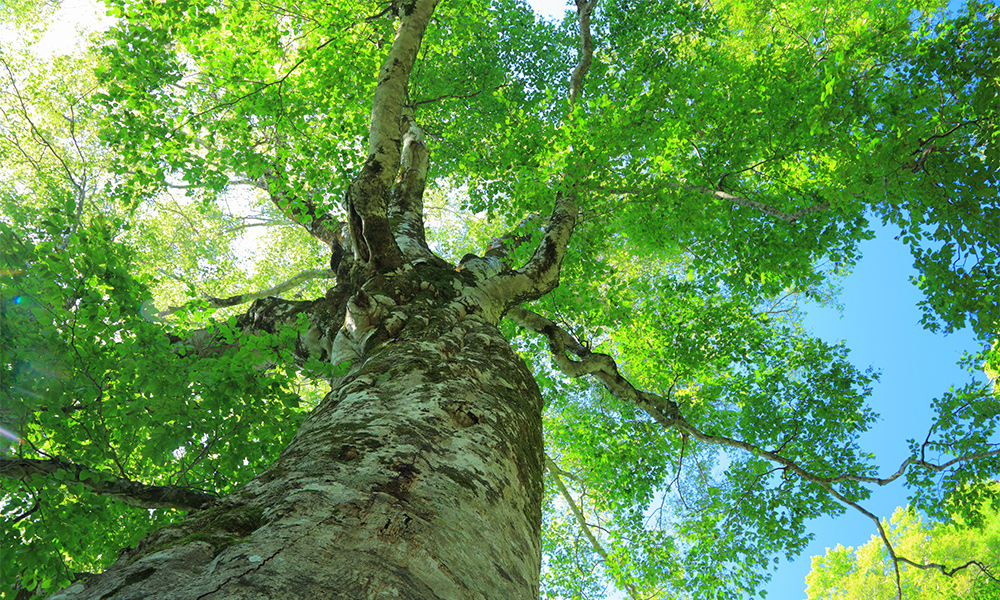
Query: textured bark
(540,275)
(418,476)
(368,194)
(406,207)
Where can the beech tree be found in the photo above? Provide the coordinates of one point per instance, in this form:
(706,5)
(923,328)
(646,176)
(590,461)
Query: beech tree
(555,272)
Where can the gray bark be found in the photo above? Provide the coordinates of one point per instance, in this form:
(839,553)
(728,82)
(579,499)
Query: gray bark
(418,476)
(420,473)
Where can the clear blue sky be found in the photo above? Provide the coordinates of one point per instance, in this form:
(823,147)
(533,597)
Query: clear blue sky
(881,325)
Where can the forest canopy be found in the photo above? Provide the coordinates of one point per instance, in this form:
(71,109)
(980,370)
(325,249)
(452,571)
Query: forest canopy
(218,219)
(846,573)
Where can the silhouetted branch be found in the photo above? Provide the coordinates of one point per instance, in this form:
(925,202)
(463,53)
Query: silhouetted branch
(132,493)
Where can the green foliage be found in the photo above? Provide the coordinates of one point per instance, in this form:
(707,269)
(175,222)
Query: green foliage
(944,220)
(87,377)
(727,157)
(866,572)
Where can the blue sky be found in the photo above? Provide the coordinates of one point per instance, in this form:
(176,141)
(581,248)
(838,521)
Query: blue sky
(880,323)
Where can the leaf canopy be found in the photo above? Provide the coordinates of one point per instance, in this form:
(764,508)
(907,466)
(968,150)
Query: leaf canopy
(727,160)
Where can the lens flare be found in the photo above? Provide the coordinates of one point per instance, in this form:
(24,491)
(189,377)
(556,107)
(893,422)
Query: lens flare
(10,435)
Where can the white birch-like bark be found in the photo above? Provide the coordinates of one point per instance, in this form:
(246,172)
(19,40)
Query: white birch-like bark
(368,194)
(385,132)
(540,275)
(406,207)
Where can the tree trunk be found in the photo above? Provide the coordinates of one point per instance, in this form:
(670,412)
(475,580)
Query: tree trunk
(418,476)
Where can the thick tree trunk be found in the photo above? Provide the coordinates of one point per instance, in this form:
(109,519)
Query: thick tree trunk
(418,476)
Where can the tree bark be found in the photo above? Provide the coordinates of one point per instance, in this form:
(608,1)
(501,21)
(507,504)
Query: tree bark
(418,476)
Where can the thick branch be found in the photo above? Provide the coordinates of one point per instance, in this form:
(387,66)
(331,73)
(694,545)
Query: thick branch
(384,135)
(132,493)
(211,302)
(368,193)
(498,255)
(325,317)
(270,315)
(406,208)
(540,275)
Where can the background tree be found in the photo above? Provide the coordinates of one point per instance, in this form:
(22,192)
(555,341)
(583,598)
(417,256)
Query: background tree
(845,573)
(649,187)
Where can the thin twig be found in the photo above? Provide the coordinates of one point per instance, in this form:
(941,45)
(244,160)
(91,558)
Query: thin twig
(582,522)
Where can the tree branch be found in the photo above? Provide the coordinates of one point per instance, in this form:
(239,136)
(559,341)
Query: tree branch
(211,302)
(270,315)
(322,226)
(667,413)
(457,96)
(540,275)
(584,9)
(406,207)
(943,135)
(600,366)
(79,183)
(132,493)
(764,208)
(384,135)
(261,86)
(581,520)
(945,570)
(35,132)
(498,255)
(368,193)
(881,532)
